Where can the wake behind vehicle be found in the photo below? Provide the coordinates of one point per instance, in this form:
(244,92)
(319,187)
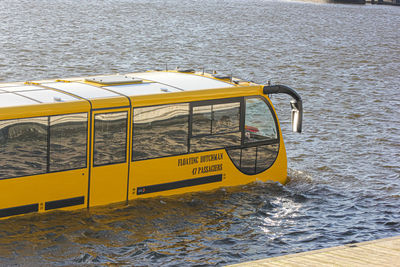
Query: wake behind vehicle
(81,142)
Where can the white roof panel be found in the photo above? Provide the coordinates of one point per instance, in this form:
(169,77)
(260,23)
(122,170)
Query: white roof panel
(142,89)
(82,90)
(11,100)
(49,96)
(183,81)
(20,88)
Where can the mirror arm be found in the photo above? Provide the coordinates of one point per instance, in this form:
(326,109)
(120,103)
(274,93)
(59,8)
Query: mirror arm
(296,104)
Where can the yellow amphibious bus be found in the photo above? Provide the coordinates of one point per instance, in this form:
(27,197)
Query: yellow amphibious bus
(82,142)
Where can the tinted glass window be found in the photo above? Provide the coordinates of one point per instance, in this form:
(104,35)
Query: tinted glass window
(68,138)
(215,126)
(226,118)
(23,147)
(214,141)
(201,120)
(160,131)
(235,155)
(255,159)
(259,122)
(248,160)
(266,156)
(261,144)
(110,138)
(216,119)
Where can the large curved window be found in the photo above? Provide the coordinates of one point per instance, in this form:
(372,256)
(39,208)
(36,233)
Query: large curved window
(259,122)
(261,144)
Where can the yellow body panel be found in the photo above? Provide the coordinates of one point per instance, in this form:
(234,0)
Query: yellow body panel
(204,164)
(108,184)
(44,110)
(113,102)
(198,95)
(44,188)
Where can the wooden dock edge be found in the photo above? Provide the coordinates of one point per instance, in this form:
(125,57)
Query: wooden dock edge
(381,252)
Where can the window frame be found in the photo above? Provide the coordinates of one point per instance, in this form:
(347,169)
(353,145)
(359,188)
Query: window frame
(47,171)
(261,142)
(192,104)
(46,126)
(242,111)
(256,144)
(212,102)
(126,138)
(49,143)
(133,131)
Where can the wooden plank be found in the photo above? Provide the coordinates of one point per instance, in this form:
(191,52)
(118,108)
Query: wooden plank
(381,252)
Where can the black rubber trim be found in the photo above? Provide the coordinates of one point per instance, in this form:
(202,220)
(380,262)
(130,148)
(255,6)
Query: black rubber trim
(19,210)
(281,89)
(51,205)
(179,184)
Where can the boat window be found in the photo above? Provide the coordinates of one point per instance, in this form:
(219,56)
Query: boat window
(261,144)
(216,119)
(214,141)
(110,132)
(248,160)
(215,126)
(202,121)
(236,156)
(259,122)
(23,147)
(266,156)
(226,118)
(160,131)
(68,138)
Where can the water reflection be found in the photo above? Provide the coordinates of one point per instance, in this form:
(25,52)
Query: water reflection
(110,138)
(23,147)
(68,139)
(219,227)
(160,131)
(148,232)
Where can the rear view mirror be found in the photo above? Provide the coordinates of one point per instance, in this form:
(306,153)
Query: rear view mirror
(297,115)
(296,104)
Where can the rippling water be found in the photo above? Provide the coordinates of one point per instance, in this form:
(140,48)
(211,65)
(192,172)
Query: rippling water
(344,169)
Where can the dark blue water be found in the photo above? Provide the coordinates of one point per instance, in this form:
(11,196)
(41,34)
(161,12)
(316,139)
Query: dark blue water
(344,169)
